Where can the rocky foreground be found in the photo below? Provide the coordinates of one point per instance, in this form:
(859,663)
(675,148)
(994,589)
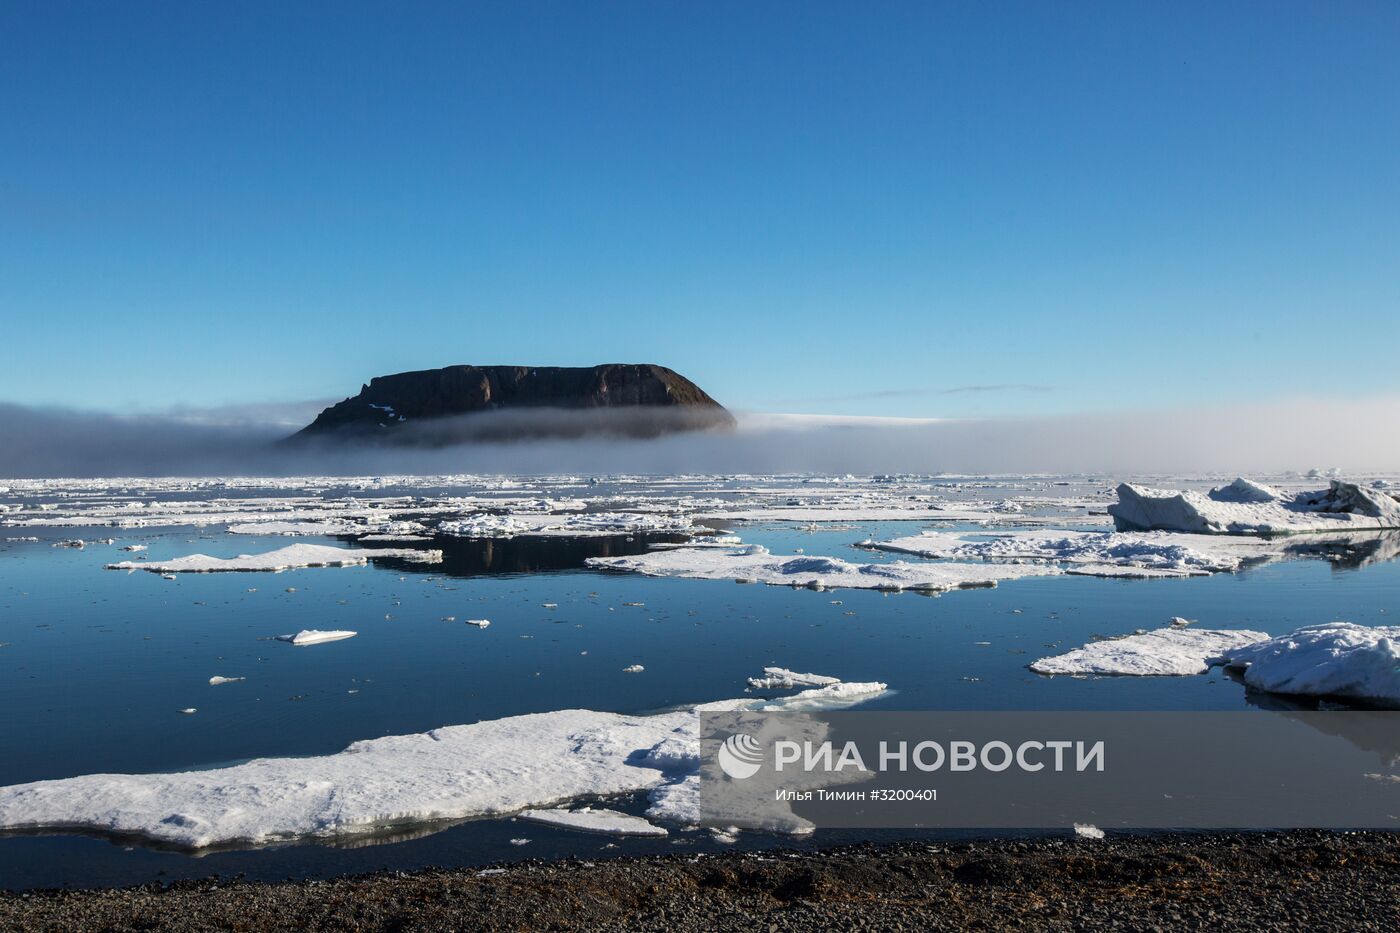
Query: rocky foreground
(1275,881)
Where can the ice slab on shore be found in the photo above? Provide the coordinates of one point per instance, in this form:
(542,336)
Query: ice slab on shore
(589,820)
(292,557)
(1245,508)
(754,563)
(1166,651)
(1334,659)
(315,637)
(490,768)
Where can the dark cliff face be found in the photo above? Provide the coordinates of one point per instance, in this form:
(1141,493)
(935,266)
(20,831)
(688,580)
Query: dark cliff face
(426,407)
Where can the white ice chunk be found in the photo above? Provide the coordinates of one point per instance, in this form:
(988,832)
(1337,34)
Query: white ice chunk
(218,679)
(781,678)
(1334,659)
(1169,651)
(479,623)
(291,557)
(315,637)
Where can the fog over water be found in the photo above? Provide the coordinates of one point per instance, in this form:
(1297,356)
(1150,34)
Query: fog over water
(1353,435)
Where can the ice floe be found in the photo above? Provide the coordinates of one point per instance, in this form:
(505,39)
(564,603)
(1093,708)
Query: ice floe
(217,679)
(574,525)
(315,637)
(492,768)
(1096,553)
(292,557)
(754,563)
(1165,651)
(1339,659)
(780,678)
(1244,507)
(590,820)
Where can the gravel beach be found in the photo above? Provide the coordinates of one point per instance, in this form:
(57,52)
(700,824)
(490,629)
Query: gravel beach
(1256,881)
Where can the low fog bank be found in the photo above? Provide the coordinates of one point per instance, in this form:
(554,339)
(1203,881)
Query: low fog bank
(1355,435)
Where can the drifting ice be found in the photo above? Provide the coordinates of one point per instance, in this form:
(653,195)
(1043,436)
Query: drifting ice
(288,558)
(1244,508)
(1166,651)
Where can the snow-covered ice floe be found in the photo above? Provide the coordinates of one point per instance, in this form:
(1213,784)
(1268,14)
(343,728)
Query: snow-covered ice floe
(1093,553)
(311,636)
(1165,651)
(590,820)
(292,557)
(754,563)
(1338,659)
(493,768)
(1244,507)
(781,678)
(572,525)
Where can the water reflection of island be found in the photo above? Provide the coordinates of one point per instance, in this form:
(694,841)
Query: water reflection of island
(478,557)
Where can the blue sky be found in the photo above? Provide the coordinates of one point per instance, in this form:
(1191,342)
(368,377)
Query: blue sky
(921,209)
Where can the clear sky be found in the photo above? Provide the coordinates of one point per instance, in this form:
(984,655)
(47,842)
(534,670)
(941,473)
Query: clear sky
(904,209)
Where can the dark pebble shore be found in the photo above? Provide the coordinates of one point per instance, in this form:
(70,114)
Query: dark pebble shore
(1229,881)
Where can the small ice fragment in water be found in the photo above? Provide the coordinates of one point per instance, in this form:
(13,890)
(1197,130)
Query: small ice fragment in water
(189,711)
(216,680)
(479,623)
(633,669)
(315,637)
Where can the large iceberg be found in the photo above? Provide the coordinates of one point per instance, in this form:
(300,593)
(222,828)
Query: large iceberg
(1338,659)
(1247,508)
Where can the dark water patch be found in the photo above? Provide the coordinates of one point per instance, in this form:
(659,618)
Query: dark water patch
(482,557)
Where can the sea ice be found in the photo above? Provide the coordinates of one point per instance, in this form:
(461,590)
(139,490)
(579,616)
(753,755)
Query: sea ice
(491,768)
(1333,659)
(781,678)
(291,557)
(1098,553)
(315,637)
(1169,651)
(217,679)
(755,563)
(590,820)
(1247,508)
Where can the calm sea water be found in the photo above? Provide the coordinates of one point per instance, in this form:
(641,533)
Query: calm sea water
(97,664)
